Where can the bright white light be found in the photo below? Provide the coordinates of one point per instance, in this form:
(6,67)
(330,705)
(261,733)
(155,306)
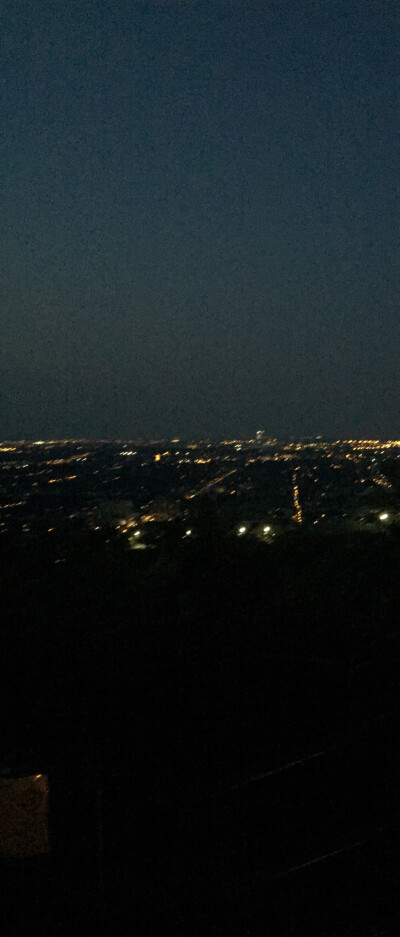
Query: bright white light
(242,530)
(137,533)
(267,530)
(188,532)
(384,516)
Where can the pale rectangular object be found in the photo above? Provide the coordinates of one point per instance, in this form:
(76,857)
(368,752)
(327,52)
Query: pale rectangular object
(24,816)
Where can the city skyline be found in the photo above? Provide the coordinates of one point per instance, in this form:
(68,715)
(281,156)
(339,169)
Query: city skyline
(267,440)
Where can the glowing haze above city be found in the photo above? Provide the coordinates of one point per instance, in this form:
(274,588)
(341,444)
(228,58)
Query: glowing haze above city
(200,220)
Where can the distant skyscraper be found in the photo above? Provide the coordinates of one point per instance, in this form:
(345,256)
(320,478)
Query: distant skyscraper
(260,436)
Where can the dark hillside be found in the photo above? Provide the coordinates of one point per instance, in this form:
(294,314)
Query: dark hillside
(211,716)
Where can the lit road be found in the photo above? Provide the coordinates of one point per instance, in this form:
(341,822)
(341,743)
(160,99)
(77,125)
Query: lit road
(298,516)
(210,484)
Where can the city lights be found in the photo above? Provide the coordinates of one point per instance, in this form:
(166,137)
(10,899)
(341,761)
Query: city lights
(305,482)
(298,517)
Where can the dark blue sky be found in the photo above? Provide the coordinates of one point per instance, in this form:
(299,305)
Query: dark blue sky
(200,219)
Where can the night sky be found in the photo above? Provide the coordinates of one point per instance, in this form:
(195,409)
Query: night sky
(200,218)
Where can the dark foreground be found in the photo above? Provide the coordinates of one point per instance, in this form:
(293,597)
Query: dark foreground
(220,728)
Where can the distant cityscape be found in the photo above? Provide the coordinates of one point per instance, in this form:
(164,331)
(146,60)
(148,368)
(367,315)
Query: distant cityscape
(258,487)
